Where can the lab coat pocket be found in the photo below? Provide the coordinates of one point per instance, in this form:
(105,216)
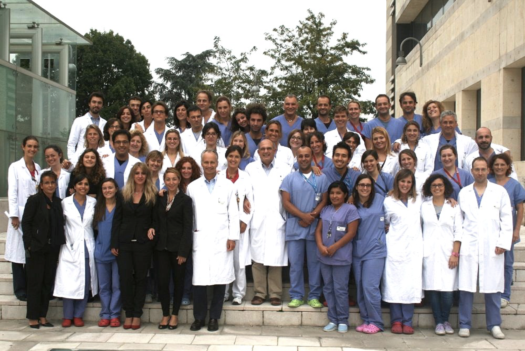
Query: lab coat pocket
(67,254)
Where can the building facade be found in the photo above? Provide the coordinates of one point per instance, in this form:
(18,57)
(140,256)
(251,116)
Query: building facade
(473,61)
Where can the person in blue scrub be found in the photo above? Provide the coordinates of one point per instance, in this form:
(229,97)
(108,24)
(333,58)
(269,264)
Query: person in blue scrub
(223,119)
(383,182)
(308,126)
(431,112)
(369,253)
(239,138)
(257,116)
(500,168)
(323,121)
(108,202)
(393,126)
(303,195)
(459,178)
(289,119)
(408,103)
(339,170)
(316,142)
(334,234)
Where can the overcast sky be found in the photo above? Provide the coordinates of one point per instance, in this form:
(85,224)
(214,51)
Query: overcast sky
(160,29)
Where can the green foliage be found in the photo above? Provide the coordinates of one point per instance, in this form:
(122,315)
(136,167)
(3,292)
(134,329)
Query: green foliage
(113,66)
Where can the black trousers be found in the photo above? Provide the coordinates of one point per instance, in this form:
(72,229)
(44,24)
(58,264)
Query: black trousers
(19,279)
(167,263)
(200,301)
(133,264)
(41,269)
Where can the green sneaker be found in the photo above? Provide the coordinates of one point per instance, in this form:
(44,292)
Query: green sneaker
(295,303)
(315,303)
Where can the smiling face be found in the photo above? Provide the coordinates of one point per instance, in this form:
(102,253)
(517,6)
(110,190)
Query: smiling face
(172,181)
(209,164)
(290,106)
(48,186)
(433,111)
(354,111)
(379,141)
(109,190)
(135,144)
(340,119)
(234,159)
(437,188)
(408,105)
(448,159)
(224,109)
(483,138)
(30,149)
(181,113)
(364,188)
(172,141)
(154,164)
(407,162)
(412,133)
(266,151)
(203,102)
(52,157)
(405,185)
(121,145)
(383,105)
(304,159)
(239,141)
(337,197)
(370,164)
(241,119)
(316,145)
(82,187)
(500,167)
(296,140)
(273,133)
(323,106)
(341,158)
(127,116)
(92,138)
(89,160)
(186,170)
(352,143)
(139,177)
(448,125)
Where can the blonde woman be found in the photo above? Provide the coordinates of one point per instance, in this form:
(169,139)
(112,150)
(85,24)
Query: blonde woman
(382,145)
(133,241)
(173,150)
(138,146)
(239,139)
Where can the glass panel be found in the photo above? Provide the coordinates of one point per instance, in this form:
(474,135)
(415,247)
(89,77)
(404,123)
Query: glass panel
(447,4)
(437,10)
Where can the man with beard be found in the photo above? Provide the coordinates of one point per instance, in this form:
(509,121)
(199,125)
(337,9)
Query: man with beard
(134,103)
(323,121)
(393,126)
(408,102)
(341,156)
(78,129)
(256,114)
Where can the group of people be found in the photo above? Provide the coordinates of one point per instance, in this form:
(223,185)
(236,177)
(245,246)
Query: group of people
(417,208)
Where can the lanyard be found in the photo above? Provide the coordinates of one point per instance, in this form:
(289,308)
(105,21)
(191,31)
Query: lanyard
(314,184)
(379,186)
(356,127)
(457,181)
(321,164)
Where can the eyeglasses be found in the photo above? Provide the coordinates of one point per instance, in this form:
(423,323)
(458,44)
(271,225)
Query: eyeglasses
(361,185)
(159,112)
(435,186)
(296,138)
(210,134)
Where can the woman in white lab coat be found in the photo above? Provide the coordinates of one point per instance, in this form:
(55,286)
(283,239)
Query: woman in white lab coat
(409,160)
(410,141)
(22,180)
(442,228)
(243,190)
(76,272)
(382,145)
(173,150)
(402,279)
(53,155)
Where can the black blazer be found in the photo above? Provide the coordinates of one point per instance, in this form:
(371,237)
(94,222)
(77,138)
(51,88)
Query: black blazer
(133,222)
(174,229)
(36,226)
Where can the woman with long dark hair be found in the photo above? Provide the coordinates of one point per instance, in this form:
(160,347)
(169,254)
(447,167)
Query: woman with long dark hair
(89,164)
(54,157)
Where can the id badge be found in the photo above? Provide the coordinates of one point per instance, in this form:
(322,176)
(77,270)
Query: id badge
(317,197)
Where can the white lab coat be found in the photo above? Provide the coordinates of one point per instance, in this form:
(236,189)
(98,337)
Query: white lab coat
(439,236)
(221,152)
(166,163)
(141,124)
(464,145)
(402,277)
(20,186)
(216,220)
(78,130)
(498,149)
(153,142)
(283,155)
(484,229)
(189,144)
(390,165)
(267,229)
(332,138)
(70,277)
(103,152)
(355,162)
(425,163)
(243,189)
(109,166)
(63,182)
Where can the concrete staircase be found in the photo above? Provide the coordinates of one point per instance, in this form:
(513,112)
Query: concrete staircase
(246,314)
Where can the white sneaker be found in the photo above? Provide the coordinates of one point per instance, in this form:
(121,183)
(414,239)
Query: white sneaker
(504,303)
(497,333)
(464,332)
(237,301)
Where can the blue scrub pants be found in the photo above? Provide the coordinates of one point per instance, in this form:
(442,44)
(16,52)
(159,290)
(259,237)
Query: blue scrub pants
(335,291)
(75,308)
(441,302)
(368,275)
(109,289)
(402,312)
(492,309)
(296,252)
(509,262)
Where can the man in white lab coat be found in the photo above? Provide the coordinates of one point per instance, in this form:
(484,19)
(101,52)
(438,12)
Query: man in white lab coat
(155,135)
(267,227)
(215,232)
(464,145)
(78,129)
(487,234)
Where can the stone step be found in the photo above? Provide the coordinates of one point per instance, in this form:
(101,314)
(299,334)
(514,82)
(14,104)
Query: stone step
(247,315)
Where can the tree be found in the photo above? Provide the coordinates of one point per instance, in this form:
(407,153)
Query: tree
(307,64)
(184,78)
(113,66)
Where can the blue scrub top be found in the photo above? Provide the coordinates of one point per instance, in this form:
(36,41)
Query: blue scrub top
(349,180)
(417,118)
(516,195)
(226,131)
(324,164)
(394,128)
(442,142)
(384,183)
(370,242)
(466,179)
(339,219)
(302,196)
(321,127)
(287,128)
(252,146)
(103,241)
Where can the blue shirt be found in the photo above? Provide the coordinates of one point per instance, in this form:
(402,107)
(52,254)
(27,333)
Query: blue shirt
(370,242)
(103,241)
(384,183)
(443,141)
(516,195)
(211,183)
(245,162)
(321,127)
(269,168)
(80,208)
(335,225)
(95,121)
(394,127)
(252,145)
(159,136)
(302,196)
(226,131)
(322,164)
(417,118)
(478,197)
(465,178)
(286,128)
(119,172)
(349,179)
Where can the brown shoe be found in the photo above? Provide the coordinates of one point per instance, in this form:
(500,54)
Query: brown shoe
(257,300)
(275,301)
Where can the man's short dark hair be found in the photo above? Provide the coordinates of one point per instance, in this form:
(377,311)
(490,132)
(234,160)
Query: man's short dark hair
(382,95)
(135,97)
(96,94)
(411,94)
(208,94)
(342,145)
(120,132)
(325,97)
(194,108)
(258,109)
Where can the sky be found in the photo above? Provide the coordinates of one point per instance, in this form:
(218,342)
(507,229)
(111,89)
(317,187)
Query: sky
(160,29)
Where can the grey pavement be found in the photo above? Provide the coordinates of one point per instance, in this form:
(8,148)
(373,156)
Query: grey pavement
(15,335)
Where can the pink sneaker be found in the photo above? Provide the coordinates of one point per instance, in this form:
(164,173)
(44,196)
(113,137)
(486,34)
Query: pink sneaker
(371,329)
(361,328)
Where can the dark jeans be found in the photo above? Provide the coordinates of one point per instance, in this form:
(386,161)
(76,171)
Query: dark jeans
(41,269)
(19,279)
(441,302)
(167,264)
(188,286)
(133,264)
(200,301)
